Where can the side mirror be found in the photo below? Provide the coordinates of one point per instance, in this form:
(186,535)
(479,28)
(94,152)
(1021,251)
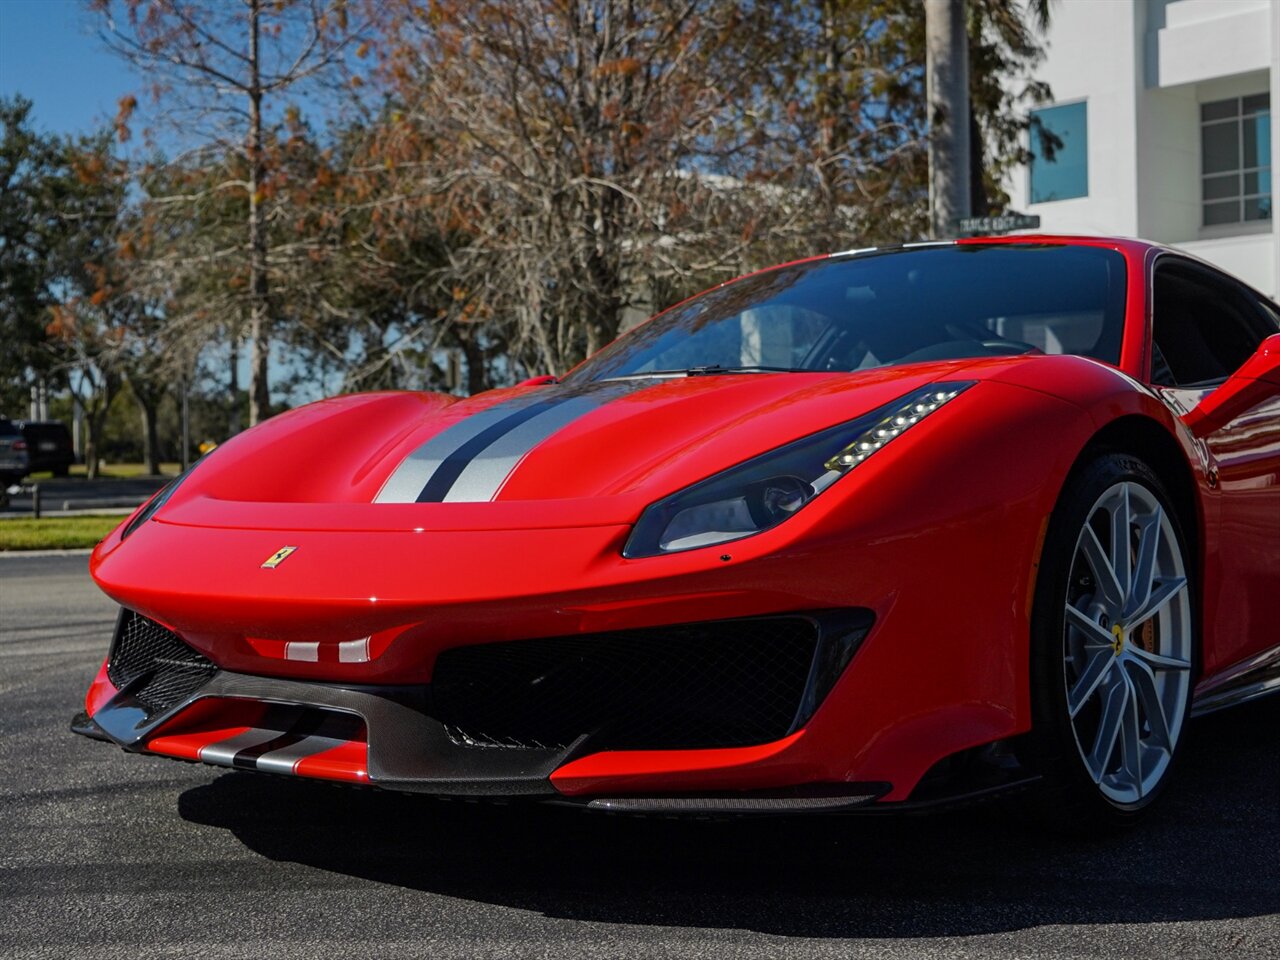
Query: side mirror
(1255,382)
(547,378)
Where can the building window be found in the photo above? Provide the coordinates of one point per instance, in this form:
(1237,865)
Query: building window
(1235,160)
(1059,153)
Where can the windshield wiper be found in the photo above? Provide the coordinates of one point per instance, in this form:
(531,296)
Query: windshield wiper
(714,368)
(710,369)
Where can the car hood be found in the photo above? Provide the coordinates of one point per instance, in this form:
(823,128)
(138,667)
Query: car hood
(555,454)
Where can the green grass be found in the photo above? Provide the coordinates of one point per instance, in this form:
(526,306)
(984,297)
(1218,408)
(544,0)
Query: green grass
(119,470)
(55,533)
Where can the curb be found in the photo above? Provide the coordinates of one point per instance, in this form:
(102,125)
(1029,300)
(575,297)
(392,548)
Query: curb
(77,552)
(77,512)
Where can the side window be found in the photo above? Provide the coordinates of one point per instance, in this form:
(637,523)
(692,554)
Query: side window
(1204,327)
(1270,313)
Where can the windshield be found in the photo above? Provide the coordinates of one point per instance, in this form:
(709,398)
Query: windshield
(886,309)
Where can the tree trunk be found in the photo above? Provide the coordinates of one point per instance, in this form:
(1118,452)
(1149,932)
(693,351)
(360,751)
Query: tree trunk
(93,423)
(603,302)
(947,64)
(233,388)
(150,433)
(477,375)
(979,202)
(604,310)
(91,448)
(831,108)
(95,417)
(92,431)
(260,315)
(184,428)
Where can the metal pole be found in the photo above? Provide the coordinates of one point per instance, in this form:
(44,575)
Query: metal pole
(77,446)
(186,428)
(35,501)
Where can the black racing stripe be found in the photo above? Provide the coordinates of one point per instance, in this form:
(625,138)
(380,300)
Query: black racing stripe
(448,472)
(306,725)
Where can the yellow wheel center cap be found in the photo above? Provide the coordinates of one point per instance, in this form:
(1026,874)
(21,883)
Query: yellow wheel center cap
(1117,631)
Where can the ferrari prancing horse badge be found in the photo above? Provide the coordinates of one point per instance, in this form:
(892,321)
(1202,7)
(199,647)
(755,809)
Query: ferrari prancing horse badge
(277,558)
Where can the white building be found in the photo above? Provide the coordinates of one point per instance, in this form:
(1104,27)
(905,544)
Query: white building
(1163,112)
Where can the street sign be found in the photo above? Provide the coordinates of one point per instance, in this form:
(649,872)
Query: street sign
(981,226)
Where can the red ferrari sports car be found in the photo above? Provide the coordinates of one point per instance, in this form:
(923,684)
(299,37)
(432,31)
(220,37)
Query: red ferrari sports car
(873,531)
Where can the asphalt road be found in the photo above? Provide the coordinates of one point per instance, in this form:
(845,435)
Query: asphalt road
(108,855)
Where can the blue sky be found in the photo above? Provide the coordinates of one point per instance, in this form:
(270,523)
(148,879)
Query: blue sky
(50,54)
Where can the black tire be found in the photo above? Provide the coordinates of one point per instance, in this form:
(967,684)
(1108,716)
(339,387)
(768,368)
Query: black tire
(1070,801)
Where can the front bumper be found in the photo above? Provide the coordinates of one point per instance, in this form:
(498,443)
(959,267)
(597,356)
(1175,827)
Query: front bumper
(507,735)
(939,673)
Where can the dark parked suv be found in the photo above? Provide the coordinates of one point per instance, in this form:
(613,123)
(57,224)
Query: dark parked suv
(13,455)
(48,446)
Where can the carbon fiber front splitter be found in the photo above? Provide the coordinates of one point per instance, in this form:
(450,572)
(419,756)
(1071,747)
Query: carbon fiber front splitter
(414,753)
(408,750)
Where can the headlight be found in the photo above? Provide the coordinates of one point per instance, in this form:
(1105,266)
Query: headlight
(762,492)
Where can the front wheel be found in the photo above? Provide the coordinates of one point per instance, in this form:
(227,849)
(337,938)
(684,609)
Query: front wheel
(1113,645)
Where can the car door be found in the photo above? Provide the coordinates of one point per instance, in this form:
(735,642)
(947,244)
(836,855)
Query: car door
(1205,325)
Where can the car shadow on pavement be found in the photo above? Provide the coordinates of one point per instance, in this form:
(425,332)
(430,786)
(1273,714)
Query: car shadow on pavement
(1209,852)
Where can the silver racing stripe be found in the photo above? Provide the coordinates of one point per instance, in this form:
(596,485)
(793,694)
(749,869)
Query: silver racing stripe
(224,752)
(286,759)
(408,479)
(470,461)
(484,475)
(287,736)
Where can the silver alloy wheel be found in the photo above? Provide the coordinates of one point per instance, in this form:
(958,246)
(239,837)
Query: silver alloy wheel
(1127,642)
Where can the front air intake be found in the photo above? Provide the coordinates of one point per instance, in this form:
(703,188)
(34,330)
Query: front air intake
(727,683)
(153,664)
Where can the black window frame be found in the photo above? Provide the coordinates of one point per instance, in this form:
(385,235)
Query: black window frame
(1261,313)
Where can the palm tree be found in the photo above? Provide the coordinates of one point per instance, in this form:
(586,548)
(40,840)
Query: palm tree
(952,132)
(947,93)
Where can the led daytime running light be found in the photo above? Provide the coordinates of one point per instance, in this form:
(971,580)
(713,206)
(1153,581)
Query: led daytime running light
(895,424)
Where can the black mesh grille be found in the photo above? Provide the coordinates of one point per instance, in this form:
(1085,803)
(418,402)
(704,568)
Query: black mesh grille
(168,669)
(723,684)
